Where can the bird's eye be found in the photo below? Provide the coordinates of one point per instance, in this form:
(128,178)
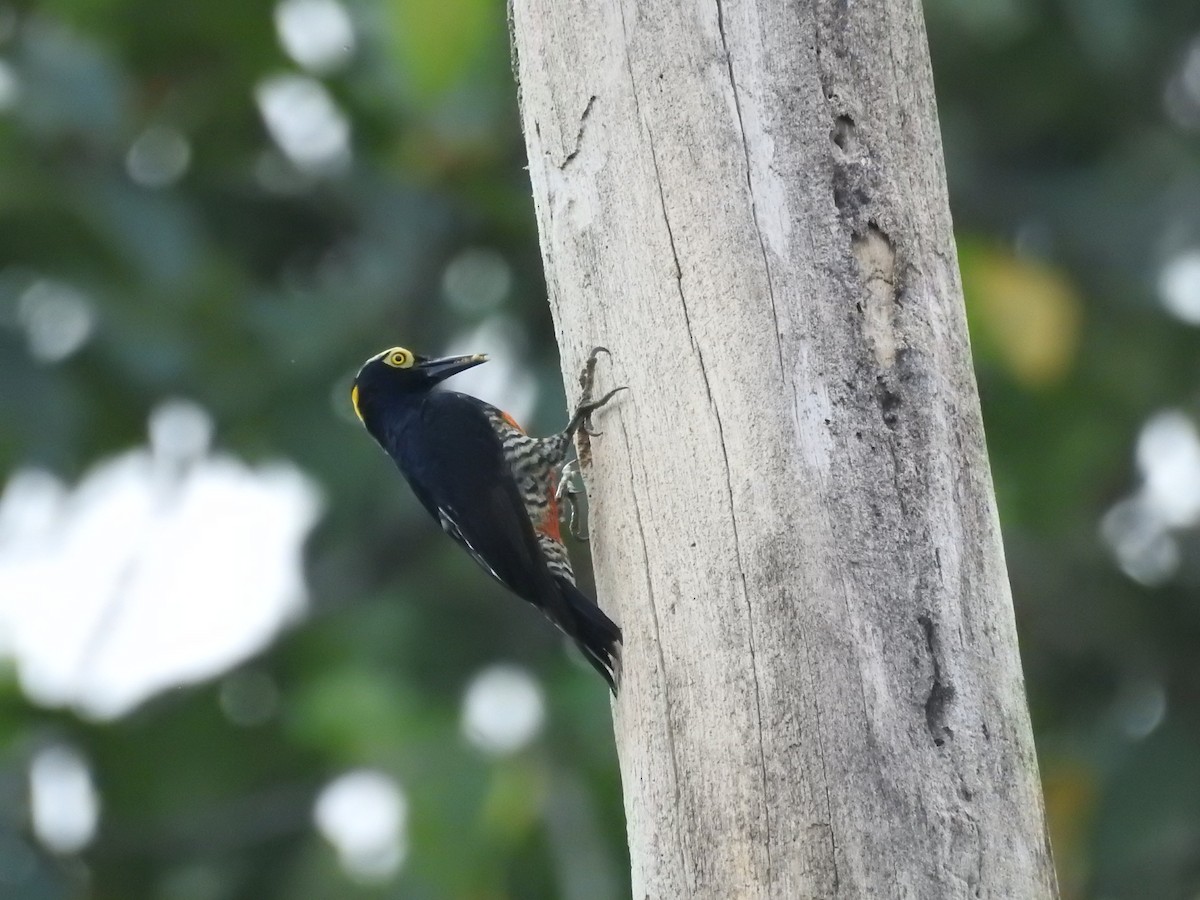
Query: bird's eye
(399,359)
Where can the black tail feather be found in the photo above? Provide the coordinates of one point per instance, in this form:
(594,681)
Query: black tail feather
(594,633)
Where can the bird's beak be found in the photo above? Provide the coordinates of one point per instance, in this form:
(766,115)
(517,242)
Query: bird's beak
(438,369)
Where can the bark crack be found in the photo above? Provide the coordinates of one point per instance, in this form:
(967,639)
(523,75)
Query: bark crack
(662,204)
(762,246)
(583,119)
(637,106)
(837,878)
(720,429)
(737,544)
(668,727)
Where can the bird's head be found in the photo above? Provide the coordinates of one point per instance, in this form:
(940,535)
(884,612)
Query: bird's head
(397,372)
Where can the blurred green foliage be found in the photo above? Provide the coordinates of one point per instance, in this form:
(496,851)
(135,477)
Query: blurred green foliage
(243,282)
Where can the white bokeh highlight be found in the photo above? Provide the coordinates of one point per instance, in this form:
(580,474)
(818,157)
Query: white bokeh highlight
(1168,456)
(1181,96)
(8,86)
(180,432)
(1141,707)
(503,710)
(364,816)
(1139,540)
(317,34)
(477,280)
(58,319)
(63,804)
(158,157)
(1179,287)
(164,566)
(504,380)
(305,122)
(1138,528)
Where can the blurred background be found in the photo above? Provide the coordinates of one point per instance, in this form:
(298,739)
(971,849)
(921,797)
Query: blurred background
(236,661)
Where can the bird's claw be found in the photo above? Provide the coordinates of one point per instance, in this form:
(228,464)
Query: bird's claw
(566,489)
(587,406)
(583,414)
(589,369)
(576,517)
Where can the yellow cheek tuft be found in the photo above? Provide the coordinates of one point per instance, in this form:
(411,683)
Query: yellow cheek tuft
(354,401)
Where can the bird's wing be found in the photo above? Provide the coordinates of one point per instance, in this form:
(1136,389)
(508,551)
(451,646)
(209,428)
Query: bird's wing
(456,466)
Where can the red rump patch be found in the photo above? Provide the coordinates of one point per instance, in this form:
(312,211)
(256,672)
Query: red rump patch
(549,525)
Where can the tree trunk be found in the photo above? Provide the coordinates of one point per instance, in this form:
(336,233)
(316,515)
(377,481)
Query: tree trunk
(793,516)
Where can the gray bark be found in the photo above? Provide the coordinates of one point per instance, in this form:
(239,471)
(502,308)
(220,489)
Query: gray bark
(793,516)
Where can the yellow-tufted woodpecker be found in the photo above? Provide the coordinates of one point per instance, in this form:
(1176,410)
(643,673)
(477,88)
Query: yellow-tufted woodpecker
(491,487)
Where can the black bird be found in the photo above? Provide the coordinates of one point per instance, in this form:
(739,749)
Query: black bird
(491,487)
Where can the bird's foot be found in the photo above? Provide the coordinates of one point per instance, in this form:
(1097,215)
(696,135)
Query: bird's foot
(567,489)
(566,476)
(588,406)
(584,412)
(575,519)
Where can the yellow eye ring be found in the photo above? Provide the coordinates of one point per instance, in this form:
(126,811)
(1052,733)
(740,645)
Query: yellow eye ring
(399,358)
